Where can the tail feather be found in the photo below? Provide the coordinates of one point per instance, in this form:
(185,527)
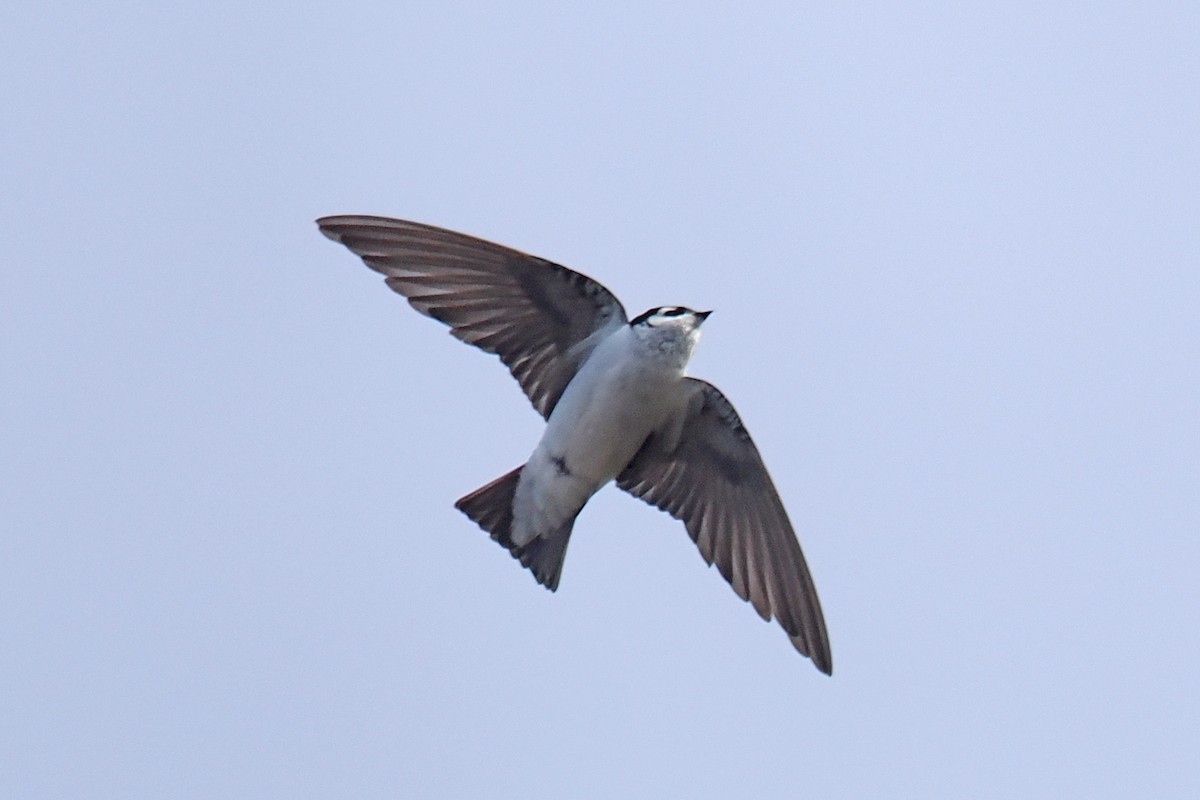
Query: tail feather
(490,506)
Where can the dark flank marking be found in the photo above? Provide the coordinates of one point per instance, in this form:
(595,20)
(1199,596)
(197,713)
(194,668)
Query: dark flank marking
(560,464)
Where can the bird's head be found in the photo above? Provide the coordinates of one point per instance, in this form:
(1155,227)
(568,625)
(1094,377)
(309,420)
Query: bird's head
(670,330)
(678,317)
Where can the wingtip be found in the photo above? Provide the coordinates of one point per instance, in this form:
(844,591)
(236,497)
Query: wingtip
(823,661)
(819,655)
(325,225)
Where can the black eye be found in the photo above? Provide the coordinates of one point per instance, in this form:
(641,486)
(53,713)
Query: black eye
(674,312)
(644,317)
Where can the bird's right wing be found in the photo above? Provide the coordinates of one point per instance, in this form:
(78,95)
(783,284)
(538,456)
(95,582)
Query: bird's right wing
(539,317)
(714,480)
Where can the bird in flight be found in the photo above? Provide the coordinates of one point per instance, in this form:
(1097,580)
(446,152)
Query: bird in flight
(617,405)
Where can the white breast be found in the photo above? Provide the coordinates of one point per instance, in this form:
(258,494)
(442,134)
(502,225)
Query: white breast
(624,391)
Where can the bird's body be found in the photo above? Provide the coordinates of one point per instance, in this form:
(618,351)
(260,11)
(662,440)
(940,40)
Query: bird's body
(624,390)
(617,405)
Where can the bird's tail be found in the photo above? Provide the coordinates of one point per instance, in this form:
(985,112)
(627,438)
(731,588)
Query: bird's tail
(490,506)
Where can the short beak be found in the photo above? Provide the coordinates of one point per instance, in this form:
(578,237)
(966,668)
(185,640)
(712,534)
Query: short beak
(703,315)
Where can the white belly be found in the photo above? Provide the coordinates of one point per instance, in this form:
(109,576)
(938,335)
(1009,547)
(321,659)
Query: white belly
(597,427)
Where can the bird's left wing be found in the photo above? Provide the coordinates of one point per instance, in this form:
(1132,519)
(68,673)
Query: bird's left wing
(541,318)
(712,477)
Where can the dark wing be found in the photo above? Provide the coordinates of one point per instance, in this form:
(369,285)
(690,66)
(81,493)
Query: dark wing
(539,317)
(715,481)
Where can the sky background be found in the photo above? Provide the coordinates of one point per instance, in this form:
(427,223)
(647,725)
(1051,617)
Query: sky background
(954,255)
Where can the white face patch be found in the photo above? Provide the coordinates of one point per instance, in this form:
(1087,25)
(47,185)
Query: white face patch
(673,316)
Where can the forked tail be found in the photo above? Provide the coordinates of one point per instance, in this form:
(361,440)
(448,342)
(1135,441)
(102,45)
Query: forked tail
(490,506)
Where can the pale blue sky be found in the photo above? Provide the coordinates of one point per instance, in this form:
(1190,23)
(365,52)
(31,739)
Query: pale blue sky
(954,255)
